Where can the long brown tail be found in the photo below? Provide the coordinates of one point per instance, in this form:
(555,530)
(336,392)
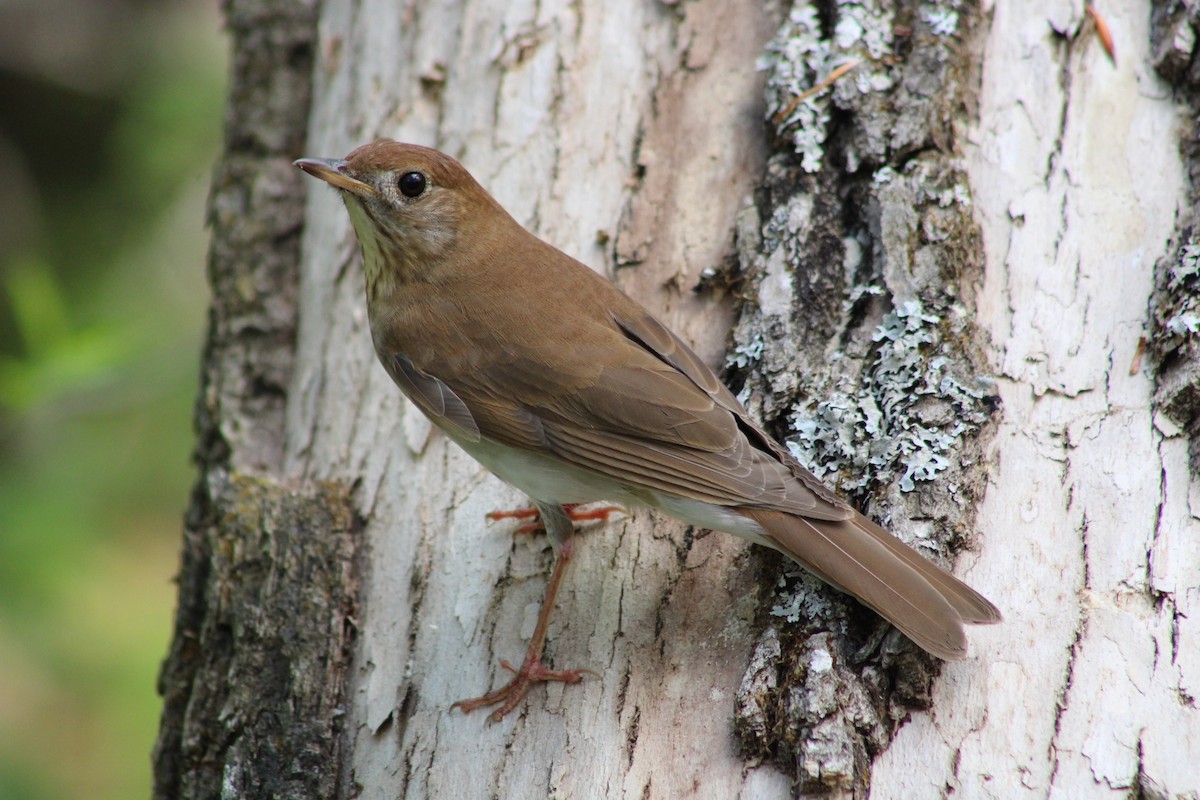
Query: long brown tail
(857,556)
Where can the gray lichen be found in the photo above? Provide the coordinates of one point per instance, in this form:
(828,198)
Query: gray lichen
(1174,337)
(827,731)
(798,599)
(902,102)
(800,57)
(794,59)
(912,413)
(1179,304)
(856,346)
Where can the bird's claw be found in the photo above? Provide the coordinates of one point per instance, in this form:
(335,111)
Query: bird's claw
(510,694)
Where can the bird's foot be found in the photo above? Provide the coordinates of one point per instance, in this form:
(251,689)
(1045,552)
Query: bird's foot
(510,694)
(533,522)
(560,520)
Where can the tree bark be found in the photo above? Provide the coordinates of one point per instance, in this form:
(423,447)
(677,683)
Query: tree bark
(629,134)
(1088,529)
(938,274)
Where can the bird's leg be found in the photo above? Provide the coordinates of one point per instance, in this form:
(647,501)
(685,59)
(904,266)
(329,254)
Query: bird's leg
(534,517)
(557,522)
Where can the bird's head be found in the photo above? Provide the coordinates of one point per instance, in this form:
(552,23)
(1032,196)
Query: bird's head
(412,207)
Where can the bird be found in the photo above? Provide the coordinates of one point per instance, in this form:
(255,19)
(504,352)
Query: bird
(569,390)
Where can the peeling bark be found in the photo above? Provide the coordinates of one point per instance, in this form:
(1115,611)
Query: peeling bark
(1086,528)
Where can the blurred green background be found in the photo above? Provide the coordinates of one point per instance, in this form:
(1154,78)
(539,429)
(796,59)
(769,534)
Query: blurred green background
(110,118)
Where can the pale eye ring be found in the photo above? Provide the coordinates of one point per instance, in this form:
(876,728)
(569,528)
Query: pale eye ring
(411,184)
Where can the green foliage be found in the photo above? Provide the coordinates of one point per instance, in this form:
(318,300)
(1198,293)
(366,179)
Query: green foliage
(55,359)
(102,301)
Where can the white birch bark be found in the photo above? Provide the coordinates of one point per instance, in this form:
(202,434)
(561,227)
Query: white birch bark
(555,107)
(1087,534)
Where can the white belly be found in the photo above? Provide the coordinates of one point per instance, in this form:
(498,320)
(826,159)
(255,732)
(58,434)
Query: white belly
(550,480)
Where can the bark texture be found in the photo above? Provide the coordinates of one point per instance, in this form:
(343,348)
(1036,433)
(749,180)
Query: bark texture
(1088,527)
(628,134)
(961,282)
(857,343)
(254,679)
(254,682)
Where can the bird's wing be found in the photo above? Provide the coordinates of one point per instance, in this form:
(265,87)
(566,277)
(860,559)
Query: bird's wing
(637,406)
(643,329)
(436,399)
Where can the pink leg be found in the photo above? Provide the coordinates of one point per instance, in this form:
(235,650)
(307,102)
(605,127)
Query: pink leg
(532,671)
(535,523)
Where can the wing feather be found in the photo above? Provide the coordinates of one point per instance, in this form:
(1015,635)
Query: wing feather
(646,426)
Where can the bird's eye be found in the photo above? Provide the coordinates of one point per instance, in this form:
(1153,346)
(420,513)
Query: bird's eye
(411,184)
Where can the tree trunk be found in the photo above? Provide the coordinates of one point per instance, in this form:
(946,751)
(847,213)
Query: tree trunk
(938,273)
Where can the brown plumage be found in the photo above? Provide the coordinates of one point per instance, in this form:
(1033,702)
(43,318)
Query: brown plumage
(571,391)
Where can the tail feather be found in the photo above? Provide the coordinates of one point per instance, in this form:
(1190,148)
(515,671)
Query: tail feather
(857,556)
(971,606)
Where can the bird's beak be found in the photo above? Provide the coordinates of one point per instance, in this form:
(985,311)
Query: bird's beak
(333,172)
